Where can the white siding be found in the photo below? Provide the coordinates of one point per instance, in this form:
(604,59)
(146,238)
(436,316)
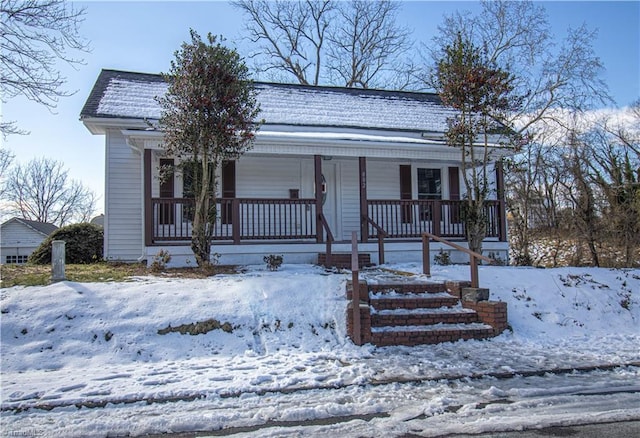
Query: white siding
(18,239)
(383,179)
(123,197)
(350,196)
(270,177)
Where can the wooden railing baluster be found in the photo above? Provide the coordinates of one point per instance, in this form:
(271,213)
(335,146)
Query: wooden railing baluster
(286,219)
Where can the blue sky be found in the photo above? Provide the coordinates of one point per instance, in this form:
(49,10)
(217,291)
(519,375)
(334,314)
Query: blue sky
(142,36)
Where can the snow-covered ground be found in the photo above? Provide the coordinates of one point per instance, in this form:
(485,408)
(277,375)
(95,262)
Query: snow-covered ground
(87,359)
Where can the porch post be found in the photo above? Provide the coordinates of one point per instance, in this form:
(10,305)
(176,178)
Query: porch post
(148,206)
(437,217)
(235,220)
(364,211)
(502,205)
(317,166)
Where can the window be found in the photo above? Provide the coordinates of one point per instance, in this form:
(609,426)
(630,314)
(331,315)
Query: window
(429,184)
(429,187)
(13,259)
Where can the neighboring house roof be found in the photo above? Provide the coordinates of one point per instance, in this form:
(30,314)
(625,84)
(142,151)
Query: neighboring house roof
(98,220)
(129,95)
(41,227)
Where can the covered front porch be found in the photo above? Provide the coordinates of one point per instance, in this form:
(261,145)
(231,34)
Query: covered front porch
(307,224)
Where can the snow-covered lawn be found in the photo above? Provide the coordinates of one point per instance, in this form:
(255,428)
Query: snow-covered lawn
(87,359)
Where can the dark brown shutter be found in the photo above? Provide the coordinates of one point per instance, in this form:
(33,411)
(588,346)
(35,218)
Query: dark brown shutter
(228,189)
(405,192)
(167,190)
(454,193)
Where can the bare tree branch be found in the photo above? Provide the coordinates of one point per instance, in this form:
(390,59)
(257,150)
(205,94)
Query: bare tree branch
(352,43)
(291,35)
(35,34)
(516,36)
(41,191)
(367,45)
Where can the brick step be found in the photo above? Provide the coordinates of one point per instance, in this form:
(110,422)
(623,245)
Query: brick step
(381,290)
(423,317)
(410,312)
(424,301)
(415,335)
(343,260)
(407,288)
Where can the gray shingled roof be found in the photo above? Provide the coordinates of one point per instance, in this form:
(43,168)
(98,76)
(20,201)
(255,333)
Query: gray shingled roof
(128,95)
(41,227)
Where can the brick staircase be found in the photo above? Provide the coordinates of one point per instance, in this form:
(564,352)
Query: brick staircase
(413,313)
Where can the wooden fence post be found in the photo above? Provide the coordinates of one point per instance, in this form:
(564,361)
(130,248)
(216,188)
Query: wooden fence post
(426,256)
(473,262)
(355,294)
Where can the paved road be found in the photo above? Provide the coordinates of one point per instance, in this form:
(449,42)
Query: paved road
(628,429)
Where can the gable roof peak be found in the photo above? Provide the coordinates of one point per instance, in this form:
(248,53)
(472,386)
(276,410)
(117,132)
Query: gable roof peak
(41,227)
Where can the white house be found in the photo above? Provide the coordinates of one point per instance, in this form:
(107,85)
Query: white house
(327,162)
(20,237)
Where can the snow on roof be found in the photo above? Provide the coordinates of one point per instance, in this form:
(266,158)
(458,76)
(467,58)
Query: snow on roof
(119,94)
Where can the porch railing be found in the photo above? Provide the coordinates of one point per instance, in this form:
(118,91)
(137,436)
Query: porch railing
(244,219)
(236,219)
(412,217)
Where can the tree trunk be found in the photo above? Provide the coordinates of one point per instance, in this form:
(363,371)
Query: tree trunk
(200,239)
(475,224)
(205,216)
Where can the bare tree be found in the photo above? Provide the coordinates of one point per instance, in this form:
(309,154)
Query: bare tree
(549,75)
(516,36)
(6,159)
(367,47)
(352,43)
(582,196)
(291,36)
(580,181)
(42,191)
(35,34)
(613,164)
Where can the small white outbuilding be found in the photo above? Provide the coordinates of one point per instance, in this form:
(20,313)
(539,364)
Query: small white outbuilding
(20,237)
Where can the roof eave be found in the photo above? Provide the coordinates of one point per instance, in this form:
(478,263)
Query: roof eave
(99,125)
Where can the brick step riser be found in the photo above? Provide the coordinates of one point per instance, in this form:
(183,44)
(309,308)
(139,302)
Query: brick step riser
(344,260)
(420,338)
(408,288)
(423,320)
(412,303)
